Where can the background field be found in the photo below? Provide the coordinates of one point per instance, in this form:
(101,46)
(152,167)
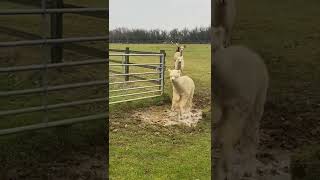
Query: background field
(142,151)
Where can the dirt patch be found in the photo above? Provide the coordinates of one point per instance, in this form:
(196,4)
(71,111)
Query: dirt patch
(80,166)
(163,116)
(273,164)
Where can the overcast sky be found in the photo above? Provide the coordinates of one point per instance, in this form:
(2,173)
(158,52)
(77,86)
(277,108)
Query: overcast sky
(159,14)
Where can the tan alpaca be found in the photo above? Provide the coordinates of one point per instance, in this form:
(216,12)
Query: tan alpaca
(179,51)
(183,90)
(240,82)
(179,63)
(178,57)
(224,15)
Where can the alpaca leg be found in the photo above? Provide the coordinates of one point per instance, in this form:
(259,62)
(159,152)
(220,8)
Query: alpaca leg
(187,105)
(175,100)
(174,105)
(191,99)
(250,142)
(223,164)
(229,131)
(182,104)
(248,146)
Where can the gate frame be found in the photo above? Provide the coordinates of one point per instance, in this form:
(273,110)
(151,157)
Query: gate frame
(126,54)
(44,11)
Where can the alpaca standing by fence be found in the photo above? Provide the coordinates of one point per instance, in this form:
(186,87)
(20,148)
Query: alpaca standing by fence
(183,90)
(224,15)
(240,82)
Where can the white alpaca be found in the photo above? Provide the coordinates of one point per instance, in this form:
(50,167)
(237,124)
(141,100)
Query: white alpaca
(179,51)
(224,15)
(183,90)
(178,57)
(179,63)
(240,83)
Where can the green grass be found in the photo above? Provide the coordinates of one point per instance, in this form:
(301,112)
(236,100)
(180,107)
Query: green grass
(140,151)
(160,157)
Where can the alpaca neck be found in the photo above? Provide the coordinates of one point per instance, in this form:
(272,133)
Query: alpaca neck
(179,65)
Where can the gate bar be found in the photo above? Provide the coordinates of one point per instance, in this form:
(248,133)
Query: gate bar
(51,107)
(129,74)
(133,81)
(53,124)
(131,51)
(132,94)
(52,41)
(55,65)
(143,66)
(119,54)
(51,11)
(52,88)
(135,64)
(134,99)
(143,87)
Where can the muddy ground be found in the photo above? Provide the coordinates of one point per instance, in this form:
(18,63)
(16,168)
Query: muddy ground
(272,163)
(278,140)
(78,166)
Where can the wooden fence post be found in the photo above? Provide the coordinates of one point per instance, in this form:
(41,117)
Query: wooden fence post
(126,61)
(56,31)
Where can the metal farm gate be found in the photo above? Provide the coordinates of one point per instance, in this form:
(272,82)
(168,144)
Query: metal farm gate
(135,75)
(55,13)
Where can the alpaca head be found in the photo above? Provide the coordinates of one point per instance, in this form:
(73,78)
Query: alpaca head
(174,74)
(180,48)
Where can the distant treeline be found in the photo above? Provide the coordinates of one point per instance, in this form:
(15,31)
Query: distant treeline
(125,35)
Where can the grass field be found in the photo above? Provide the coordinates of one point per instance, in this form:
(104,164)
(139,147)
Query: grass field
(142,151)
